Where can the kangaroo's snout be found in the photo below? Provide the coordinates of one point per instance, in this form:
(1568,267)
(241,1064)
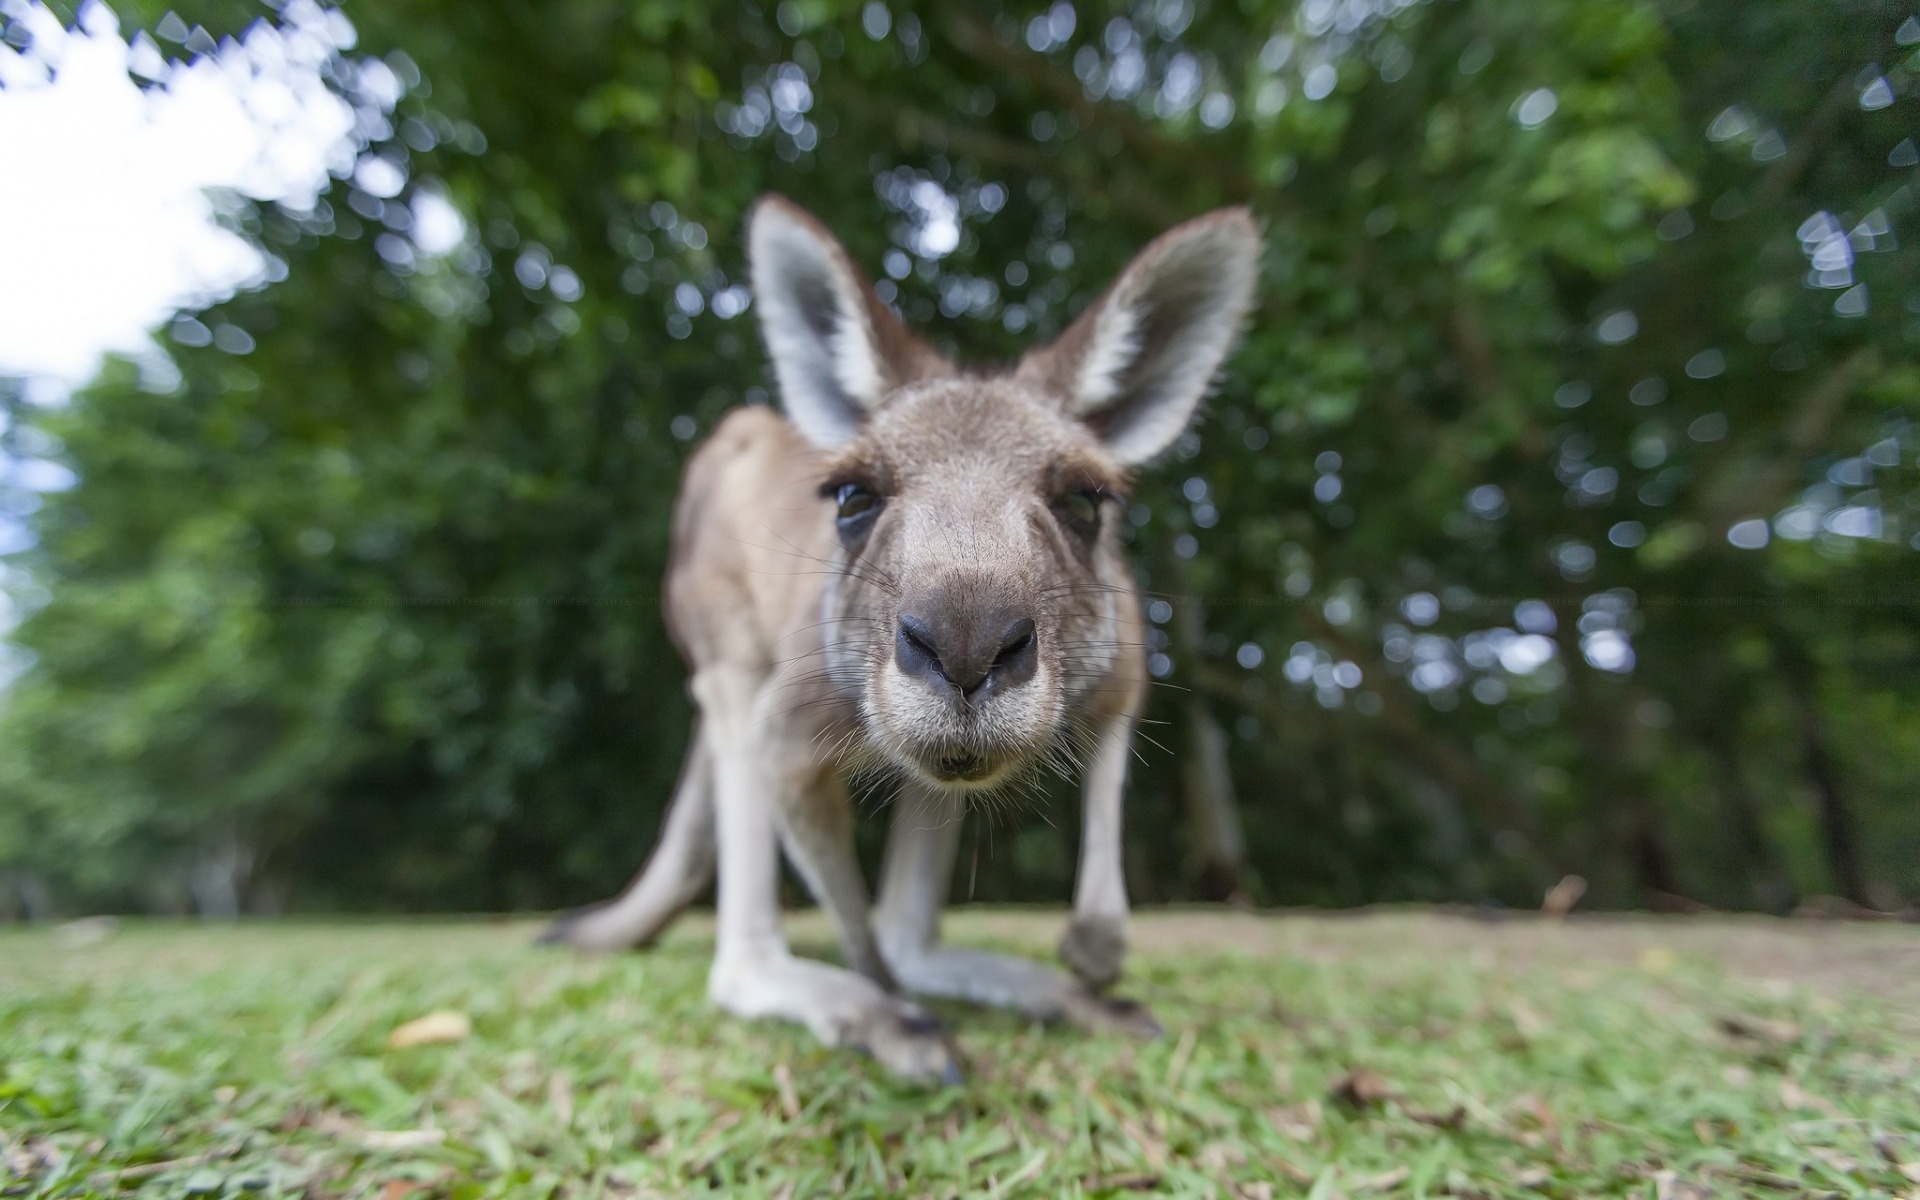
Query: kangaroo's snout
(971,650)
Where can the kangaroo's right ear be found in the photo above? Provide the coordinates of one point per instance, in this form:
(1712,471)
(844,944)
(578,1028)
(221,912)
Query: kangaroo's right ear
(1136,363)
(837,350)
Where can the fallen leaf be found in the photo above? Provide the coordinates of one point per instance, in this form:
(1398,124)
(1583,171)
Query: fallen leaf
(1667,1185)
(1362,1088)
(1297,1121)
(1453,1118)
(334,1123)
(1177,1064)
(1562,896)
(1656,960)
(25,1160)
(1756,1177)
(560,1097)
(85,931)
(789,1098)
(402,1139)
(1760,1029)
(1537,1110)
(1526,1021)
(1153,1147)
(1792,1095)
(1122,1183)
(1385,1181)
(432,1029)
(1911,1171)
(125,1176)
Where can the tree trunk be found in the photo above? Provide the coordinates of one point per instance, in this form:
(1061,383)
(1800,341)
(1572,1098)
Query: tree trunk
(1217,845)
(1839,828)
(1617,783)
(1839,831)
(1769,888)
(218,878)
(23,896)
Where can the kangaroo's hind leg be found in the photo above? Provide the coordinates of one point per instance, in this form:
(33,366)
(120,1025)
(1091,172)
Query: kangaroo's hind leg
(677,872)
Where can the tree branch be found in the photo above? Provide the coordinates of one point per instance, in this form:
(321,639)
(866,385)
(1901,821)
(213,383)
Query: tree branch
(1123,191)
(1409,741)
(1739,488)
(976,39)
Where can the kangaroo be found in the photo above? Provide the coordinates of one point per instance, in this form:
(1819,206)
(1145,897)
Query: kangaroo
(916,575)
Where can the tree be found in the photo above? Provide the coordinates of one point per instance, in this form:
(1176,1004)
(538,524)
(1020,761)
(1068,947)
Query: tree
(1557,515)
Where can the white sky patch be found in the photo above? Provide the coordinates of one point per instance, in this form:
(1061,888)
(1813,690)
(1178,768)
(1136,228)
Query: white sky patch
(938,220)
(106,182)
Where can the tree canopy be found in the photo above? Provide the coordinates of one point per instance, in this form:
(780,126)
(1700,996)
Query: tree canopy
(1558,515)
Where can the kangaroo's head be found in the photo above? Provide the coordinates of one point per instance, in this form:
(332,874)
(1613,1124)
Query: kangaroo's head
(977,591)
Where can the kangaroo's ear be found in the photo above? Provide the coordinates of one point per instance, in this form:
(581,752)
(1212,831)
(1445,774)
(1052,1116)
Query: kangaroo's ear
(1136,363)
(837,350)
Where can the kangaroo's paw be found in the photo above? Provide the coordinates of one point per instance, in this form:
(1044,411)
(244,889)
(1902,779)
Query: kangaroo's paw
(909,1043)
(1095,948)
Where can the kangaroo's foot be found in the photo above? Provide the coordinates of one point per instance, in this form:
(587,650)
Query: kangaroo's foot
(842,1009)
(1005,981)
(1095,948)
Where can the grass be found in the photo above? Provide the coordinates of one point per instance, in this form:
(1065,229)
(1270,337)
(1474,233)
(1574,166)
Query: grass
(1402,1054)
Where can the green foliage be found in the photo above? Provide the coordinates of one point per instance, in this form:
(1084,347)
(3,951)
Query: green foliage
(366,615)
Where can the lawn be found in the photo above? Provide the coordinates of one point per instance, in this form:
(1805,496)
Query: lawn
(1402,1053)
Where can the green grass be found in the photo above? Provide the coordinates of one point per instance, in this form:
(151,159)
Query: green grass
(1396,1054)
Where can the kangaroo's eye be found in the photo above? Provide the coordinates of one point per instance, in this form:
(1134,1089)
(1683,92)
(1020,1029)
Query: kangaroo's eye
(1081,509)
(853,501)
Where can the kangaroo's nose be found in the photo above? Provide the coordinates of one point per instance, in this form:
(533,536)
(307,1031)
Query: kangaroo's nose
(973,652)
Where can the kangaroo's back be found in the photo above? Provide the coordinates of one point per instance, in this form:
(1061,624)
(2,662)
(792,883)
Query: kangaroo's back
(752,542)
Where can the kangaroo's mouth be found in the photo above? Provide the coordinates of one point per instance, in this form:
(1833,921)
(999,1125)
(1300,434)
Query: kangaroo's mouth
(972,748)
(962,767)
(966,769)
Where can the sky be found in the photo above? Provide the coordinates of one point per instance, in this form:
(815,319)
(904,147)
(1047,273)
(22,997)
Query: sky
(106,181)
(113,153)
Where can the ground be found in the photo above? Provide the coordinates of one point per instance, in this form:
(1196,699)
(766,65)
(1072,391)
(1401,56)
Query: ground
(1397,1053)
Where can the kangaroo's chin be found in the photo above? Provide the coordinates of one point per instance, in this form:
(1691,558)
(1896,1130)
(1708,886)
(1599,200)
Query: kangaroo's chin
(960,770)
(965,770)
(959,747)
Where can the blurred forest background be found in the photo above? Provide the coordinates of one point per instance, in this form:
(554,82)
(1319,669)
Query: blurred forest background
(1560,513)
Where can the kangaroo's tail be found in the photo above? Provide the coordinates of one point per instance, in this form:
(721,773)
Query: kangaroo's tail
(678,871)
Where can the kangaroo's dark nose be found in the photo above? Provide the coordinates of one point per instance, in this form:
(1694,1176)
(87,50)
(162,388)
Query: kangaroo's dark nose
(973,652)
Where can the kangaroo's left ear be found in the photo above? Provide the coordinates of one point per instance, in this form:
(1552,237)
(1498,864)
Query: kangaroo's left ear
(837,350)
(1136,363)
